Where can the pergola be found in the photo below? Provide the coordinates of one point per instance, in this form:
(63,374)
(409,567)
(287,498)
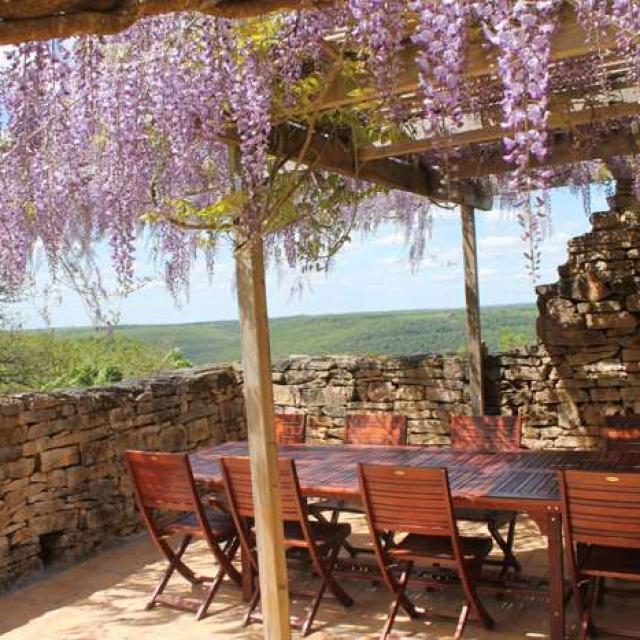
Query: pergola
(405,165)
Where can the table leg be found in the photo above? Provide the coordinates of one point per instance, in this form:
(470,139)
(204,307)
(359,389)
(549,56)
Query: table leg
(248,577)
(556,575)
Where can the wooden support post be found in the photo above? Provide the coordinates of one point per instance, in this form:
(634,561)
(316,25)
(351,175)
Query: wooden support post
(472,296)
(263,448)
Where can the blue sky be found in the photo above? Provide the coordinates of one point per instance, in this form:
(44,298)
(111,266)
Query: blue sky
(370,274)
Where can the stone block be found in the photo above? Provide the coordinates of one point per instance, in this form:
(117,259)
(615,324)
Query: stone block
(576,442)
(632,302)
(587,287)
(172,438)
(59,458)
(435,394)
(607,306)
(58,521)
(199,430)
(21,468)
(564,313)
(568,415)
(300,376)
(410,392)
(522,373)
(286,395)
(326,396)
(380,392)
(605,395)
(76,476)
(620,320)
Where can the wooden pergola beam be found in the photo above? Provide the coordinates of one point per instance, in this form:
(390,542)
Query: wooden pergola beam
(27,20)
(336,155)
(481,135)
(563,151)
(569,41)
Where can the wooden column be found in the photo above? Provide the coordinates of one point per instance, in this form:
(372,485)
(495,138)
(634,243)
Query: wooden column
(263,447)
(472,296)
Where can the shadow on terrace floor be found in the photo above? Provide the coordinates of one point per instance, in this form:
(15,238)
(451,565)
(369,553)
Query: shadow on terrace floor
(104,597)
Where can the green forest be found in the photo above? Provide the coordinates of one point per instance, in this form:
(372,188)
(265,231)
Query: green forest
(389,332)
(81,357)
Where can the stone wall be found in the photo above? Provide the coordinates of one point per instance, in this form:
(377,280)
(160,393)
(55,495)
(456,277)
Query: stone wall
(64,490)
(588,321)
(427,389)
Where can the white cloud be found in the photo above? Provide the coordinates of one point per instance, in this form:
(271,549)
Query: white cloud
(450,276)
(499,243)
(391,240)
(499,216)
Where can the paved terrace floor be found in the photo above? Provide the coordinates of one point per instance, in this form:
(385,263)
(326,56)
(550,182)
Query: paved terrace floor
(103,598)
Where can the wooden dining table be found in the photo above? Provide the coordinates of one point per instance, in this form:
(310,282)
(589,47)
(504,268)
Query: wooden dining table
(523,481)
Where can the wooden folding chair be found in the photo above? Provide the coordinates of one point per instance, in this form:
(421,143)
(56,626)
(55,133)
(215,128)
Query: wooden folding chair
(291,428)
(490,434)
(601,519)
(417,502)
(622,433)
(375,428)
(364,429)
(322,541)
(163,483)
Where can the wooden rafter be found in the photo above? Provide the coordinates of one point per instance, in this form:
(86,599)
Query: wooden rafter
(480,135)
(563,151)
(337,155)
(569,41)
(26,20)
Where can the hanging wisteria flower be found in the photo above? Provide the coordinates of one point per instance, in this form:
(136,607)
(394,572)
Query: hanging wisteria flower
(441,36)
(103,135)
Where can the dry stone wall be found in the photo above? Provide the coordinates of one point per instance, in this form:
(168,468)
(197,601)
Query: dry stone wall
(427,389)
(64,490)
(588,321)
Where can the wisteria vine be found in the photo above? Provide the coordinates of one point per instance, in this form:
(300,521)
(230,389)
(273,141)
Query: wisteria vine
(101,136)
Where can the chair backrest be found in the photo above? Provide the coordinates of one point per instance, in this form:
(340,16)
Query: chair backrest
(601,507)
(290,428)
(486,433)
(407,499)
(375,428)
(162,480)
(236,472)
(622,433)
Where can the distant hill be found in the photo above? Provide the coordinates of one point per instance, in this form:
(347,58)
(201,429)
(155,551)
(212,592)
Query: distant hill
(389,332)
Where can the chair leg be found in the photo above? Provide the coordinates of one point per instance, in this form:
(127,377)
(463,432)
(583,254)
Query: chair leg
(468,577)
(506,546)
(229,551)
(584,599)
(325,569)
(175,561)
(315,604)
(462,621)
(253,603)
(600,589)
(400,600)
